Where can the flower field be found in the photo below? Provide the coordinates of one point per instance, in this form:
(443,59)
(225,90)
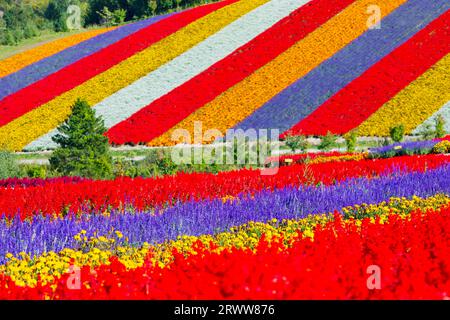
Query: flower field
(126,222)
(245,236)
(311,66)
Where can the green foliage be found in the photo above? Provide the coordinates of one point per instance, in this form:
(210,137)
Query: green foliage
(7,38)
(296,143)
(24,19)
(8,166)
(397,133)
(350,140)
(56,12)
(113,18)
(19,20)
(36,171)
(440,126)
(83,148)
(328,142)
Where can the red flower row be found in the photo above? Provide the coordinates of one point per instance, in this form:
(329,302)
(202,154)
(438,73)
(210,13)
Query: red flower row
(366,94)
(146,193)
(401,259)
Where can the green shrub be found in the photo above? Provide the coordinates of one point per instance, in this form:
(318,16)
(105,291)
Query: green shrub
(328,142)
(112,18)
(18,35)
(30,31)
(296,143)
(397,133)
(83,148)
(8,166)
(161,162)
(7,38)
(350,140)
(36,171)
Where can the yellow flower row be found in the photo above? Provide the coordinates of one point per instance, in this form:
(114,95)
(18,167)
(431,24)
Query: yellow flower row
(347,157)
(244,98)
(97,250)
(18,133)
(442,147)
(397,206)
(23,59)
(413,105)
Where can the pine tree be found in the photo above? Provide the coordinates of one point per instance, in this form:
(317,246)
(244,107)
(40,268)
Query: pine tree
(83,148)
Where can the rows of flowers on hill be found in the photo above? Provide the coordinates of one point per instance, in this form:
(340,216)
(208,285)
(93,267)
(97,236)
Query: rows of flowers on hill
(46,233)
(26,58)
(62,198)
(233,49)
(26,270)
(307,93)
(163,113)
(413,105)
(43,68)
(342,112)
(178,34)
(398,246)
(79,72)
(269,80)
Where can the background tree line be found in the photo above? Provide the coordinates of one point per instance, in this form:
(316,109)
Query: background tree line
(23,19)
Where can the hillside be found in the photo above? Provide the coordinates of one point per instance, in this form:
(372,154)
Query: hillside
(303,67)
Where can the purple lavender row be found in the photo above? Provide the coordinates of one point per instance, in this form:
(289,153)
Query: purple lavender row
(307,94)
(412,146)
(209,217)
(37,182)
(39,70)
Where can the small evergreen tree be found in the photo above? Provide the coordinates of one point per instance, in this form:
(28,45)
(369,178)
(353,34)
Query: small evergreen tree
(397,133)
(83,149)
